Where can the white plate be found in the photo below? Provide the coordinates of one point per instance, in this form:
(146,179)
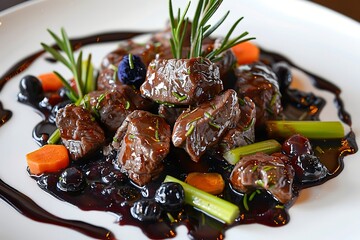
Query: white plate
(315,38)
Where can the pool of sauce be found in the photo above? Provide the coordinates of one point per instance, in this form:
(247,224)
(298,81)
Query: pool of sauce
(105,191)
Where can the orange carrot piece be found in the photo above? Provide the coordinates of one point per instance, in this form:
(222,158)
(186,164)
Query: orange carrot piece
(246,52)
(49,158)
(50,82)
(209,182)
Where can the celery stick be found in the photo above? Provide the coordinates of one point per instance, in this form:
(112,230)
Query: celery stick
(213,206)
(267,146)
(309,129)
(55,137)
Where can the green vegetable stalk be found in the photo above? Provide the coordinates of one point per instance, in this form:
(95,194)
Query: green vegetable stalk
(267,146)
(216,207)
(309,129)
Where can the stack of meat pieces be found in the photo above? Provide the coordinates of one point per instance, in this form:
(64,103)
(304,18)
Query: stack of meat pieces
(194,111)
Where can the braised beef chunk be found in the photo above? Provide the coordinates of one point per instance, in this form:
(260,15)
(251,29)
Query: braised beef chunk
(244,132)
(258,82)
(146,52)
(142,141)
(182,81)
(199,129)
(80,134)
(107,79)
(262,171)
(112,107)
(170,113)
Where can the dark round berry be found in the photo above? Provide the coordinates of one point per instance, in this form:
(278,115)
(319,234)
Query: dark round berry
(71,180)
(129,193)
(146,210)
(297,145)
(30,89)
(309,168)
(171,196)
(131,70)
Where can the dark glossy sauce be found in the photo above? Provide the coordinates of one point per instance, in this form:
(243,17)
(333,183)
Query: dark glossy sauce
(106,191)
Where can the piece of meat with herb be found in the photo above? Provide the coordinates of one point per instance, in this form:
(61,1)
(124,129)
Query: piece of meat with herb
(79,131)
(261,171)
(244,132)
(258,82)
(201,128)
(147,52)
(182,81)
(142,141)
(111,106)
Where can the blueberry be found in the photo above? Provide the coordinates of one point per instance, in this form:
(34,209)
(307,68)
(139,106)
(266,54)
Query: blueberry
(146,210)
(30,89)
(71,180)
(131,70)
(170,196)
(309,168)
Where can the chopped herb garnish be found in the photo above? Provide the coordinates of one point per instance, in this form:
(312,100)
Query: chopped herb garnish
(179,97)
(208,115)
(113,67)
(194,120)
(99,100)
(252,122)
(165,103)
(267,168)
(132,136)
(214,125)
(131,61)
(127,105)
(157,130)
(279,206)
(260,183)
(115,139)
(273,99)
(252,196)
(245,202)
(190,130)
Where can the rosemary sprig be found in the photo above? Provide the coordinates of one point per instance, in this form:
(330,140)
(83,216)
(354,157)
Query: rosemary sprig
(201,29)
(82,70)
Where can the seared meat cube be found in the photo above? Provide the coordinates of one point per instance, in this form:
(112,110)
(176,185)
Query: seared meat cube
(112,106)
(107,79)
(244,132)
(146,52)
(261,171)
(80,134)
(142,141)
(199,129)
(258,82)
(170,113)
(182,81)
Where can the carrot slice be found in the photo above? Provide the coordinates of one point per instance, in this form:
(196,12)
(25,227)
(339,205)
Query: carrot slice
(209,182)
(246,52)
(49,158)
(50,82)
